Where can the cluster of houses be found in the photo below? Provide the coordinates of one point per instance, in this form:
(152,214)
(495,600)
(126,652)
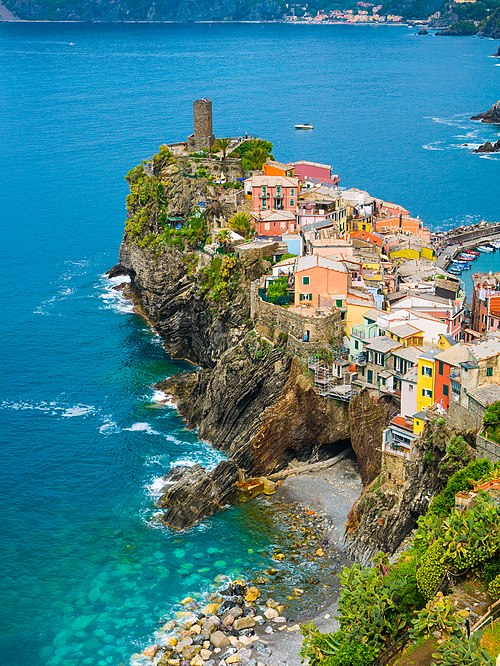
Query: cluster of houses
(407,332)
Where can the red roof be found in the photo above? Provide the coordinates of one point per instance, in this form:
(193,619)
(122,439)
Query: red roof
(402,422)
(367,236)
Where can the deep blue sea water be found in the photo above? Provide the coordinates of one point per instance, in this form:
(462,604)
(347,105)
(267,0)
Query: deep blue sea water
(86,575)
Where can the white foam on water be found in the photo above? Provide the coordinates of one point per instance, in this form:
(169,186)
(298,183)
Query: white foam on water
(156,486)
(74,269)
(51,408)
(114,298)
(142,427)
(494,157)
(433,146)
(78,410)
(109,427)
(162,398)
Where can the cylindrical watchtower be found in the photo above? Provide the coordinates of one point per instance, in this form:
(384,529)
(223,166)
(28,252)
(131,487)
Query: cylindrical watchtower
(203,132)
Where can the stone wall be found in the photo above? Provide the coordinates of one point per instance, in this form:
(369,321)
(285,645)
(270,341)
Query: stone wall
(487,449)
(270,320)
(393,467)
(464,419)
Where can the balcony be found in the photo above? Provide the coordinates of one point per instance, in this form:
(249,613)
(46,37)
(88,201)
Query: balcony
(360,359)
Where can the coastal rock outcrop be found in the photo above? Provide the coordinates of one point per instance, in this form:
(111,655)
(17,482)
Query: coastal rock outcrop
(186,485)
(489,147)
(492,116)
(387,511)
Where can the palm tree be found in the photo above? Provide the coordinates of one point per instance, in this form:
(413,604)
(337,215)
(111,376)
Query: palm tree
(255,158)
(221,146)
(223,237)
(242,223)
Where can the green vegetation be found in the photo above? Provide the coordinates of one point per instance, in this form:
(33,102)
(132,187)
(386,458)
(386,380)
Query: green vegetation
(149,223)
(462,651)
(491,639)
(253,153)
(219,279)
(221,146)
(379,603)
(491,422)
(464,480)
(494,588)
(242,223)
(277,290)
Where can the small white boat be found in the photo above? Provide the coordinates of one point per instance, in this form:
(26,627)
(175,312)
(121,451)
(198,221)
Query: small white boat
(485,248)
(304,126)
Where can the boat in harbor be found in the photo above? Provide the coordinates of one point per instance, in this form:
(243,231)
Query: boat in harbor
(465,257)
(485,248)
(455,271)
(304,126)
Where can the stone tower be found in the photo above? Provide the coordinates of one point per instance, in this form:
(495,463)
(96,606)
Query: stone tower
(203,137)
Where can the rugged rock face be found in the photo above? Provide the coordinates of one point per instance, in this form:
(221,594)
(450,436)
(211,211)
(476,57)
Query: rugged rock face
(181,500)
(386,512)
(491,116)
(264,413)
(369,417)
(489,147)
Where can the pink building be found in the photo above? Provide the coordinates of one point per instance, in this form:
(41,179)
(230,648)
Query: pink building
(274,193)
(320,281)
(274,222)
(314,171)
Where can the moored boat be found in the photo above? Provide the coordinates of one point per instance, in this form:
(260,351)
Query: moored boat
(484,248)
(304,126)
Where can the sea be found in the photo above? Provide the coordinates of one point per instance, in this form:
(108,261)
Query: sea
(88,573)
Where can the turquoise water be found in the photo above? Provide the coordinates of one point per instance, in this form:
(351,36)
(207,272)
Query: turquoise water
(86,573)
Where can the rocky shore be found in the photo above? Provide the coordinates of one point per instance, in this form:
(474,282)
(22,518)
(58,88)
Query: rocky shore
(257,621)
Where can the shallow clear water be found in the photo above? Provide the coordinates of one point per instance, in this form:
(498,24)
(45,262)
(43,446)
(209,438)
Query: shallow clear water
(86,576)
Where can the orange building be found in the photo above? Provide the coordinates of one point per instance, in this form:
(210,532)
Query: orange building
(321,282)
(272,168)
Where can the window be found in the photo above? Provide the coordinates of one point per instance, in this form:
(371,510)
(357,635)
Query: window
(292,192)
(427,371)
(292,202)
(446,390)
(338,303)
(370,376)
(264,190)
(426,393)
(489,372)
(305,297)
(305,279)
(411,387)
(264,204)
(441,367)
(278,190)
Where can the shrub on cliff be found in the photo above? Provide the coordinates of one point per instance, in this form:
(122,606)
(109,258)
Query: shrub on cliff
(462,480)
(462,651)
(242,224)
(491,421)
(253,153)
(277,290)
(431,570)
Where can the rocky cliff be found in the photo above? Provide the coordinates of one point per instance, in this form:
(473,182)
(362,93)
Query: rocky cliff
(387,511)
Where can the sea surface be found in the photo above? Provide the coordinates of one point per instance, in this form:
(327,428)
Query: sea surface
(87,573)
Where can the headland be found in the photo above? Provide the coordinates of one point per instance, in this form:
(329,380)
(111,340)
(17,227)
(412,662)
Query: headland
(322,320)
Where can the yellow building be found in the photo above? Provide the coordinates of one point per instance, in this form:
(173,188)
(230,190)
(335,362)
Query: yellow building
(356,308)
(425,380)
(407,335)
(445,341)
(419,420)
